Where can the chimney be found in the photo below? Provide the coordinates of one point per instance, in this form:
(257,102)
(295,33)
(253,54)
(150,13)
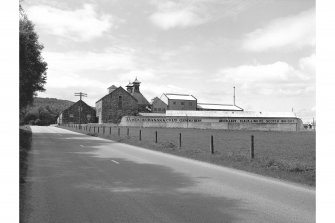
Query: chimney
(130,87)
(136,85)
(111,88)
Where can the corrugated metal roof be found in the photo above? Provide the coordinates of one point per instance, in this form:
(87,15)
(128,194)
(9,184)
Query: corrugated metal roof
(218,107)
(151,114)
(245,114)
(180,96)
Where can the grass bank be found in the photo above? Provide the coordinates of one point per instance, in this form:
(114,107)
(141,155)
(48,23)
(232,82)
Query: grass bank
(25,146)
(284,155)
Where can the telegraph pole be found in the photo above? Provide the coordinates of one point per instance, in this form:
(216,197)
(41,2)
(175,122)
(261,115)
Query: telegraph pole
(80,94)
(234,95)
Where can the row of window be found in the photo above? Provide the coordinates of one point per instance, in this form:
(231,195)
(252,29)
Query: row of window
(88,116)
(183,103)
(159,109)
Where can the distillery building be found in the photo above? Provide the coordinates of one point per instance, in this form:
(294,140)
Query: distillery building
(78,113)
(120,102)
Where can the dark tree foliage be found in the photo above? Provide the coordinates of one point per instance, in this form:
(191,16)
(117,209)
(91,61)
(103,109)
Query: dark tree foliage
(32,66)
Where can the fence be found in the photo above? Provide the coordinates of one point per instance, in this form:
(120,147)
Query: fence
(289,146)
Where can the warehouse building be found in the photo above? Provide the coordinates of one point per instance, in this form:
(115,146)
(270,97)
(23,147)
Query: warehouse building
(113,106)
(78,113)
(120,102)
(179,101)
(158,106)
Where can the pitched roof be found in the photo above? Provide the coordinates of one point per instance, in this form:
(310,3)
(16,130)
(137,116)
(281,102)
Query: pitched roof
(141,100)
(74,104)
(180,96)
(224,107)
(112,87)
(121,88)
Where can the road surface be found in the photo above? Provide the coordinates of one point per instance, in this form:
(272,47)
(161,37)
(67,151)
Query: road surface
(73,177)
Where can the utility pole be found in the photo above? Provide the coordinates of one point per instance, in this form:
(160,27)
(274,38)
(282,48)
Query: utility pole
(234,95)
(80,94)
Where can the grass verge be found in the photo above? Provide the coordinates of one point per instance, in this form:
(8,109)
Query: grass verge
(284,155)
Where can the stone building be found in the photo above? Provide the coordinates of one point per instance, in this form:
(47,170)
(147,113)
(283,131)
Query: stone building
(179,101)
(142,102)
(117,103)
(158,106)
(78,113)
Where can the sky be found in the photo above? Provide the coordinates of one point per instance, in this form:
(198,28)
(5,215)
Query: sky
(265,48)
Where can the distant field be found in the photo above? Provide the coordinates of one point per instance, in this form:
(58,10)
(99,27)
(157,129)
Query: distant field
(285,155)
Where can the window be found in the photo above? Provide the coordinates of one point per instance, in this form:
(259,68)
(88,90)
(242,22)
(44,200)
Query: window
(88,117)
(159,109)
(120,102)
(71,115)
(155,109)
(174,102)
(190,103)
(182,103)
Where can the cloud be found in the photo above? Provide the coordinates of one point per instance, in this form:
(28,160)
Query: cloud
(289,32)
(79,25)
(278,78)
(188,13)
(171,15)
(307,64)
(275,72)
(77,61)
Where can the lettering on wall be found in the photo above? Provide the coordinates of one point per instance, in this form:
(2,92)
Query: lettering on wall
(224,120)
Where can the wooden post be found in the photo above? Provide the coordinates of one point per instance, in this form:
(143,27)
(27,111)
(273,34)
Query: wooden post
(94,129)
(110,130)
(155,136)
(118,131)
(89,129)
(98,129)
(212,145)
(252,149)
(103,129)
(179,140)
(128,132)
(140,135)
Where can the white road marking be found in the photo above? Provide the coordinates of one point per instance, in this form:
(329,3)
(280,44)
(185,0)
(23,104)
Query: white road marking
(82,146)
(115,161)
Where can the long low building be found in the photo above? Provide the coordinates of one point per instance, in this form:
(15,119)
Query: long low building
(228,120)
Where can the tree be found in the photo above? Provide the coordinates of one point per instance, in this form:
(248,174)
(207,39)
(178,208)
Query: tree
(32,66)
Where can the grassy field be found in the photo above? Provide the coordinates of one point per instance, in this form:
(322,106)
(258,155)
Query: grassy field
(285,155)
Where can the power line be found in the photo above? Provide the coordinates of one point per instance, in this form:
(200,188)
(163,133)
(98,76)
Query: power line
(80,94)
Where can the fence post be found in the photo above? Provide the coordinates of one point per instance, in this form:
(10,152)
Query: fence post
(118,131)
(110,130)
(128,132)
(155,136)
(140,135)
(252,149)
(179,140)
(98,129)
(103,130)
(212,145)
(94,129)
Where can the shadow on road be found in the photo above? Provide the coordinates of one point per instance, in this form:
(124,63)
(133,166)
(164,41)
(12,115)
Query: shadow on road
(66,182)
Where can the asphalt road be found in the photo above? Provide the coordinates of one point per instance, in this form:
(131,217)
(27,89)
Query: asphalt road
(72,177)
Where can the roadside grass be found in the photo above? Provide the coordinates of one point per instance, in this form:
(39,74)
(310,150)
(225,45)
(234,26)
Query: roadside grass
(25,138)
(284,155)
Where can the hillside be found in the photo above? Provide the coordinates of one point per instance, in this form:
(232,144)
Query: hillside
(45,111)
(54,104)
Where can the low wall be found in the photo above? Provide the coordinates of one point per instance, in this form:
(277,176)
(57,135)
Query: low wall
(227,123)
